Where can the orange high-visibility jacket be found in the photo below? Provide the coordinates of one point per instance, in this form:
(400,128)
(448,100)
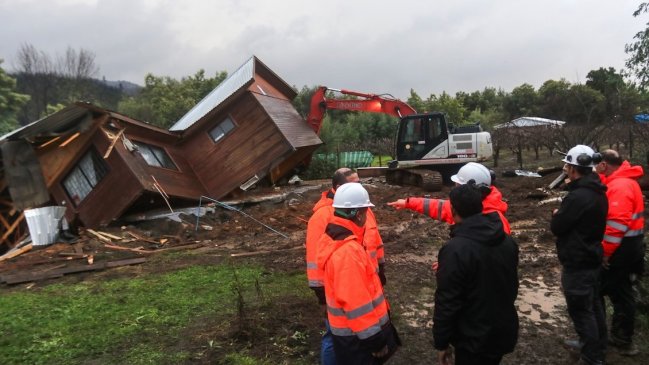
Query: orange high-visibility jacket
(355,302)
(372,240)
(440,209)
(625,206)
(322,214)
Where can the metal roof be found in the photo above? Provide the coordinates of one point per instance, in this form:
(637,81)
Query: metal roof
(240,78)
(53,124)
(530,122)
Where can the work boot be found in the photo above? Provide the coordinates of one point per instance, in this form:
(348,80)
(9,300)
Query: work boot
(573,347)
(624,348)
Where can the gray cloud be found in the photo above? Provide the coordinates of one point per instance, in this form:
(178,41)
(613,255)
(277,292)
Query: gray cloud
(372,46)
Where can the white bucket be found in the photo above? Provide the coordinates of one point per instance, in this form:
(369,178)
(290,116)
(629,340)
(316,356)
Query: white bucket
(43,224)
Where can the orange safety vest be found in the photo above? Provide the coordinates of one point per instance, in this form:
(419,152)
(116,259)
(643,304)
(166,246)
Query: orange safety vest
(355,302)
(440,209)
(625,216)
(322,214)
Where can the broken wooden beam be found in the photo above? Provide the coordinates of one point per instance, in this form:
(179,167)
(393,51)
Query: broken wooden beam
(99,235)
(113,143)
(72,138)
(30,276)
(140,238)
(111,236)
(13,227)
(255,253)
(16,252)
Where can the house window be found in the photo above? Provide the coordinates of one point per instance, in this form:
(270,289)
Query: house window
(85,176)
(222,129)
(155,156)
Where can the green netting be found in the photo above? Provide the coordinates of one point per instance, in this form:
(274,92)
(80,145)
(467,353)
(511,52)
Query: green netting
(352,159)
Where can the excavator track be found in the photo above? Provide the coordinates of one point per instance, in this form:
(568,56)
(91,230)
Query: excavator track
(426,179)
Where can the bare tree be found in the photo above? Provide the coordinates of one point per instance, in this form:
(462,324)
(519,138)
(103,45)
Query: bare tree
(31,61)
(77,65)
(62,79)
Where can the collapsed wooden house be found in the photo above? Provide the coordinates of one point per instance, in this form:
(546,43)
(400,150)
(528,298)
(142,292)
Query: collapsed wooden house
(102,165)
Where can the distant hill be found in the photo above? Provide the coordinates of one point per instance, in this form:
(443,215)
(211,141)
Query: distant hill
(127,87)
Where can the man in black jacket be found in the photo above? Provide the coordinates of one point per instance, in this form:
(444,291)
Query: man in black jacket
(477,284)
(579,225)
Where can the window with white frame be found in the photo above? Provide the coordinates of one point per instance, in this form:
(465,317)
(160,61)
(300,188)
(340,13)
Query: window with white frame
(85,176)
(155,156)
(222,129)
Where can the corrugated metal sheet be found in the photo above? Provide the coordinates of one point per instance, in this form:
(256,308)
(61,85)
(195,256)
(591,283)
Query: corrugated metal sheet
(52,125)
(240,78)
(296,131)
(530,122)
(353,159)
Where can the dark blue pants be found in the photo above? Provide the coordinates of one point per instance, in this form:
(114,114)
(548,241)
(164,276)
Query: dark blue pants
(327,354)
(617,284)
(581,289)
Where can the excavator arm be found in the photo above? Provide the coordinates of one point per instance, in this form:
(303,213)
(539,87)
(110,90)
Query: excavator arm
(365,102)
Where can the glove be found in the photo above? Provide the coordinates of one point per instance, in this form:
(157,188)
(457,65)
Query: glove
(382,274)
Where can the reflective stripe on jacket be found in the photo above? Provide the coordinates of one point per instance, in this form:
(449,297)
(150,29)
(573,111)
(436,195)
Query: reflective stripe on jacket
(625,216)
(355,302)
(372,240)
(322,213)
(440,209)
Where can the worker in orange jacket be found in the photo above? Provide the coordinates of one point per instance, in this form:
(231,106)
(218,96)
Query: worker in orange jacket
(440,209)
(322,214)
(356,308)
(623,245)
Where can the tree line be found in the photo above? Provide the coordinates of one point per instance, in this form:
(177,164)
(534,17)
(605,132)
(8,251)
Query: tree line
(597,111)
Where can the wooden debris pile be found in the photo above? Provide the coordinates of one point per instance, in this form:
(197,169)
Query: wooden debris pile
(93,250)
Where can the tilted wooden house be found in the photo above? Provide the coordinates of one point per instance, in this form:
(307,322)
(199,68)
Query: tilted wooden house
(245,130)
(100,164)
(103,165)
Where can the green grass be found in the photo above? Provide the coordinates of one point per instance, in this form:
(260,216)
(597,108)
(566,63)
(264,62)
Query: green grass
(130,321)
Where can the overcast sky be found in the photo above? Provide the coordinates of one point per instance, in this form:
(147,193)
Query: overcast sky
(376,46)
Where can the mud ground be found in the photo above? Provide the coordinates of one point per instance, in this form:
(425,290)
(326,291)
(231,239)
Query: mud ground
(411,245)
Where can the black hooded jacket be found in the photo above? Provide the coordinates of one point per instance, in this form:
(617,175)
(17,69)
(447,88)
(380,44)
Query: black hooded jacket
(580,222)
(477,284)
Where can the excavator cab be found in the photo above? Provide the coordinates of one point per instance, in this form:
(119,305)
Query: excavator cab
(418,134)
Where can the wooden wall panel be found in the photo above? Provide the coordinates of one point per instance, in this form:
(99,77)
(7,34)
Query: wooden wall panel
(182,182)
(55,159)
(253,147)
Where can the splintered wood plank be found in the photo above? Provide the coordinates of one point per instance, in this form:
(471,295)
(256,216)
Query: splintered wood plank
(31,276)
(112,236)
(99,235)
(72,138)
(115,139)
(15,253)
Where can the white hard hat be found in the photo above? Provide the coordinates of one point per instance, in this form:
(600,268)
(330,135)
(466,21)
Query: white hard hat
(352,195)
(472,171)
(580,155)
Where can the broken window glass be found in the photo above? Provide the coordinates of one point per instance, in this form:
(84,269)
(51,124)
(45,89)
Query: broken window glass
(85,176)
(155,156)
(222,129)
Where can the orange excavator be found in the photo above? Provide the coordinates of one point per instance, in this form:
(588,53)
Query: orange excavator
(428,148)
